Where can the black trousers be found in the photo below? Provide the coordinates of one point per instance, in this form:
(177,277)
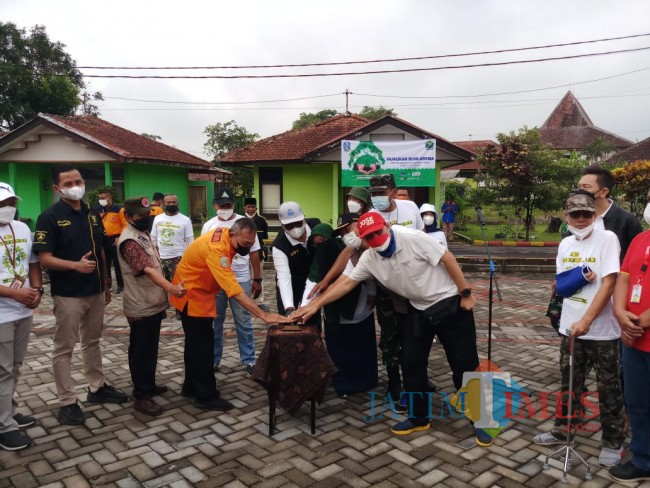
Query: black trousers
(457,334)
(110,250)
(199,355)
(143,354)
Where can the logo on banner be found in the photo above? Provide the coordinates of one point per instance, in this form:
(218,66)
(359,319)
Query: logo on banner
(366,158)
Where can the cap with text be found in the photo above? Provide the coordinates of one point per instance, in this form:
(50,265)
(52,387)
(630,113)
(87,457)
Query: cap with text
(370,222)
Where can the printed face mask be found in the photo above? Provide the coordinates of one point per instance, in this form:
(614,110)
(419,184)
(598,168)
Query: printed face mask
(75,193)
(381,202)
(224,214)
(7,214)
(380,242)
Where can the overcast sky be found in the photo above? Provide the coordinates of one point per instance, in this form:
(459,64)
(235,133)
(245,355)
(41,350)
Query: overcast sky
(218,33)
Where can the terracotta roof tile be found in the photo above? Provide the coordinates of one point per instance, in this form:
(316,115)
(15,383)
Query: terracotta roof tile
(641,150)
(123,142)
(475,146)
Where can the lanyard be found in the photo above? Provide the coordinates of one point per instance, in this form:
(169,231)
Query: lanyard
(644,266)
(11,256)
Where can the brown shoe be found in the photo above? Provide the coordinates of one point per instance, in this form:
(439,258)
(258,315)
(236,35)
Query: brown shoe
(147,406)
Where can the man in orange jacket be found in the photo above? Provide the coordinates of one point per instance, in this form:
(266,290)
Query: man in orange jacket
(205,269)
(112,216)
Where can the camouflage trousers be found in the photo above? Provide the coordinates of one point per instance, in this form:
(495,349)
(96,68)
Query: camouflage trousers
(605,357)
(169,267)
(389,341)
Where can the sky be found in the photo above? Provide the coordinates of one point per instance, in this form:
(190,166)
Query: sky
(251,32)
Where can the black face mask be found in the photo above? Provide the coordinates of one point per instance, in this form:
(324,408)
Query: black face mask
(172,209)
(243,251)
(142,224)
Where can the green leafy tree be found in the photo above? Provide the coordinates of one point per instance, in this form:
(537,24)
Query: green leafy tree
(633,180)
(376,113)
(526,174)
(306,119)
(597,150)
(36,75)
(228,136)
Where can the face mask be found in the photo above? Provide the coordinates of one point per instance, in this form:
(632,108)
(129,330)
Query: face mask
(297,233)
(381,202)
(250,216)
(103,203)
(352,240)
(428,220)
(75,193)
(646,214)
(580,234)
(142,224)
(7,214)
(380,243)
(353,206)
(243,251)
(171,209)
(224,214)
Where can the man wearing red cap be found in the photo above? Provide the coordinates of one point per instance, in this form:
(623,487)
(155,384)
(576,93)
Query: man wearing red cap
(420,269)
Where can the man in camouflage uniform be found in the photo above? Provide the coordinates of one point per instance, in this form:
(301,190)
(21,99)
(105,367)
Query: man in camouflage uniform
(588,322)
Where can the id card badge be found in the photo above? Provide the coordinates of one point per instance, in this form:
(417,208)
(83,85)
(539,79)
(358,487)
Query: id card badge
(636,293)
(17,283)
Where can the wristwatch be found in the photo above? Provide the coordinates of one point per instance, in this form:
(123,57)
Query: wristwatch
(41,290)
(466,292)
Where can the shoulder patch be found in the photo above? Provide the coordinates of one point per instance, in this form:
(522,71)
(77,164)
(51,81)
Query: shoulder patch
(40,235)
(224,262)
(216,237)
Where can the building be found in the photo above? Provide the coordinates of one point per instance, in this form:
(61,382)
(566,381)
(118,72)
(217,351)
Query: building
(106,154)
(639,151)
(304,165)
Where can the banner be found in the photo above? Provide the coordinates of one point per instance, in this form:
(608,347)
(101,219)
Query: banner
(412,163)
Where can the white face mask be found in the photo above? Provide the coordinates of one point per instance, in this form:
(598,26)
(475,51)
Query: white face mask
(353,206)
(352,240)
(297,233)
(580,234)
(7,214)
(74,193)
(646,214)
(428,220)
(103,203)
(250,216)
(225,214)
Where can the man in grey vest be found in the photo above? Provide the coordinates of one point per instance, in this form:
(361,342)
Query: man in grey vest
(144,302)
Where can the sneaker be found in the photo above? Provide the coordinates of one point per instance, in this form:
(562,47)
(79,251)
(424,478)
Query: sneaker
(14,440)
(159,390)
(610,457)
(482,438)
(549,439)
(147,406)
(24,420)
(629,472)
(106,394)
(216,404)
(408,426)
(402,406)
(71,415)
(249,369)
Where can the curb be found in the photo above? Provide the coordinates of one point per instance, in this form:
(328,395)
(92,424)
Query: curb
(478,242)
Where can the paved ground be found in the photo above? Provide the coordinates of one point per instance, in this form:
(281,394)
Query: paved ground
(118,447)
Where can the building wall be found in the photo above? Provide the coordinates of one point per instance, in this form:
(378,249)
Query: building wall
(145,180)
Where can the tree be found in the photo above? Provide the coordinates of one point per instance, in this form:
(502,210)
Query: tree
(225,137)
(36,75)
(306,119)
(597,150)
(527,174)
(376,113)
(633,180)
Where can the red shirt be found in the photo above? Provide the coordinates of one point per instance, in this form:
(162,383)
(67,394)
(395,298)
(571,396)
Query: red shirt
(637,254)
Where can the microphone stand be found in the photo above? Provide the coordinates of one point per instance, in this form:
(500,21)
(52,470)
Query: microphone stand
(493,281)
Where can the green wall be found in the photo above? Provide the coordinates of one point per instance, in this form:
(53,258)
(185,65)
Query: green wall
(315,187)
(145,180)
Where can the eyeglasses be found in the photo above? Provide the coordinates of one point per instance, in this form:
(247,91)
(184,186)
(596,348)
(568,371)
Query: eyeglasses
(581,214)
(293,225)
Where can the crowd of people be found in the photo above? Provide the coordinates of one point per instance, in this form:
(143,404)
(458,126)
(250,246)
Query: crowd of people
(386,258)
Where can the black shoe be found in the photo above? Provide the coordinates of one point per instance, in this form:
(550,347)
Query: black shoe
(628,472)
(24,420)
(216,404)
(14,440)
(249,369)
(187,394)
(106,394)
(147,406)
(159,390)
(71,415)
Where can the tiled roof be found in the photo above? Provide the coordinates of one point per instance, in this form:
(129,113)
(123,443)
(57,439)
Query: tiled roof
(293,145)
(114,140)
(641,150)
(569,127)
(476,147)
(308,143)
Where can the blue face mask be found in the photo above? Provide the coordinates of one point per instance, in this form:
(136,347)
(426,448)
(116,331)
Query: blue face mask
(381,202)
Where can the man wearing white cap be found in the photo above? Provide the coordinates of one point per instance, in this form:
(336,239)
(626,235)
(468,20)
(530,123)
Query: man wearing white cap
(20,293)
(291,257)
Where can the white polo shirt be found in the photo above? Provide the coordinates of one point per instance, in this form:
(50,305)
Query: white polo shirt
(406,214)
(413,271)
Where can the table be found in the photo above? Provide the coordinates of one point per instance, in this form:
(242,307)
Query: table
(293,367)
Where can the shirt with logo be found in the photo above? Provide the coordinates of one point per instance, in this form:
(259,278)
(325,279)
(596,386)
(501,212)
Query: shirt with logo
(406,214)
(10,309)
(637,255)
(172,234)
(600,252)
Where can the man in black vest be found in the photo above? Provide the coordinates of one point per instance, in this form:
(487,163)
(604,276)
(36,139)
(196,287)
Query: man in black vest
(291,257)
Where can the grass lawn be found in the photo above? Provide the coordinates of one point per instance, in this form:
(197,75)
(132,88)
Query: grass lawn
(491,230)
